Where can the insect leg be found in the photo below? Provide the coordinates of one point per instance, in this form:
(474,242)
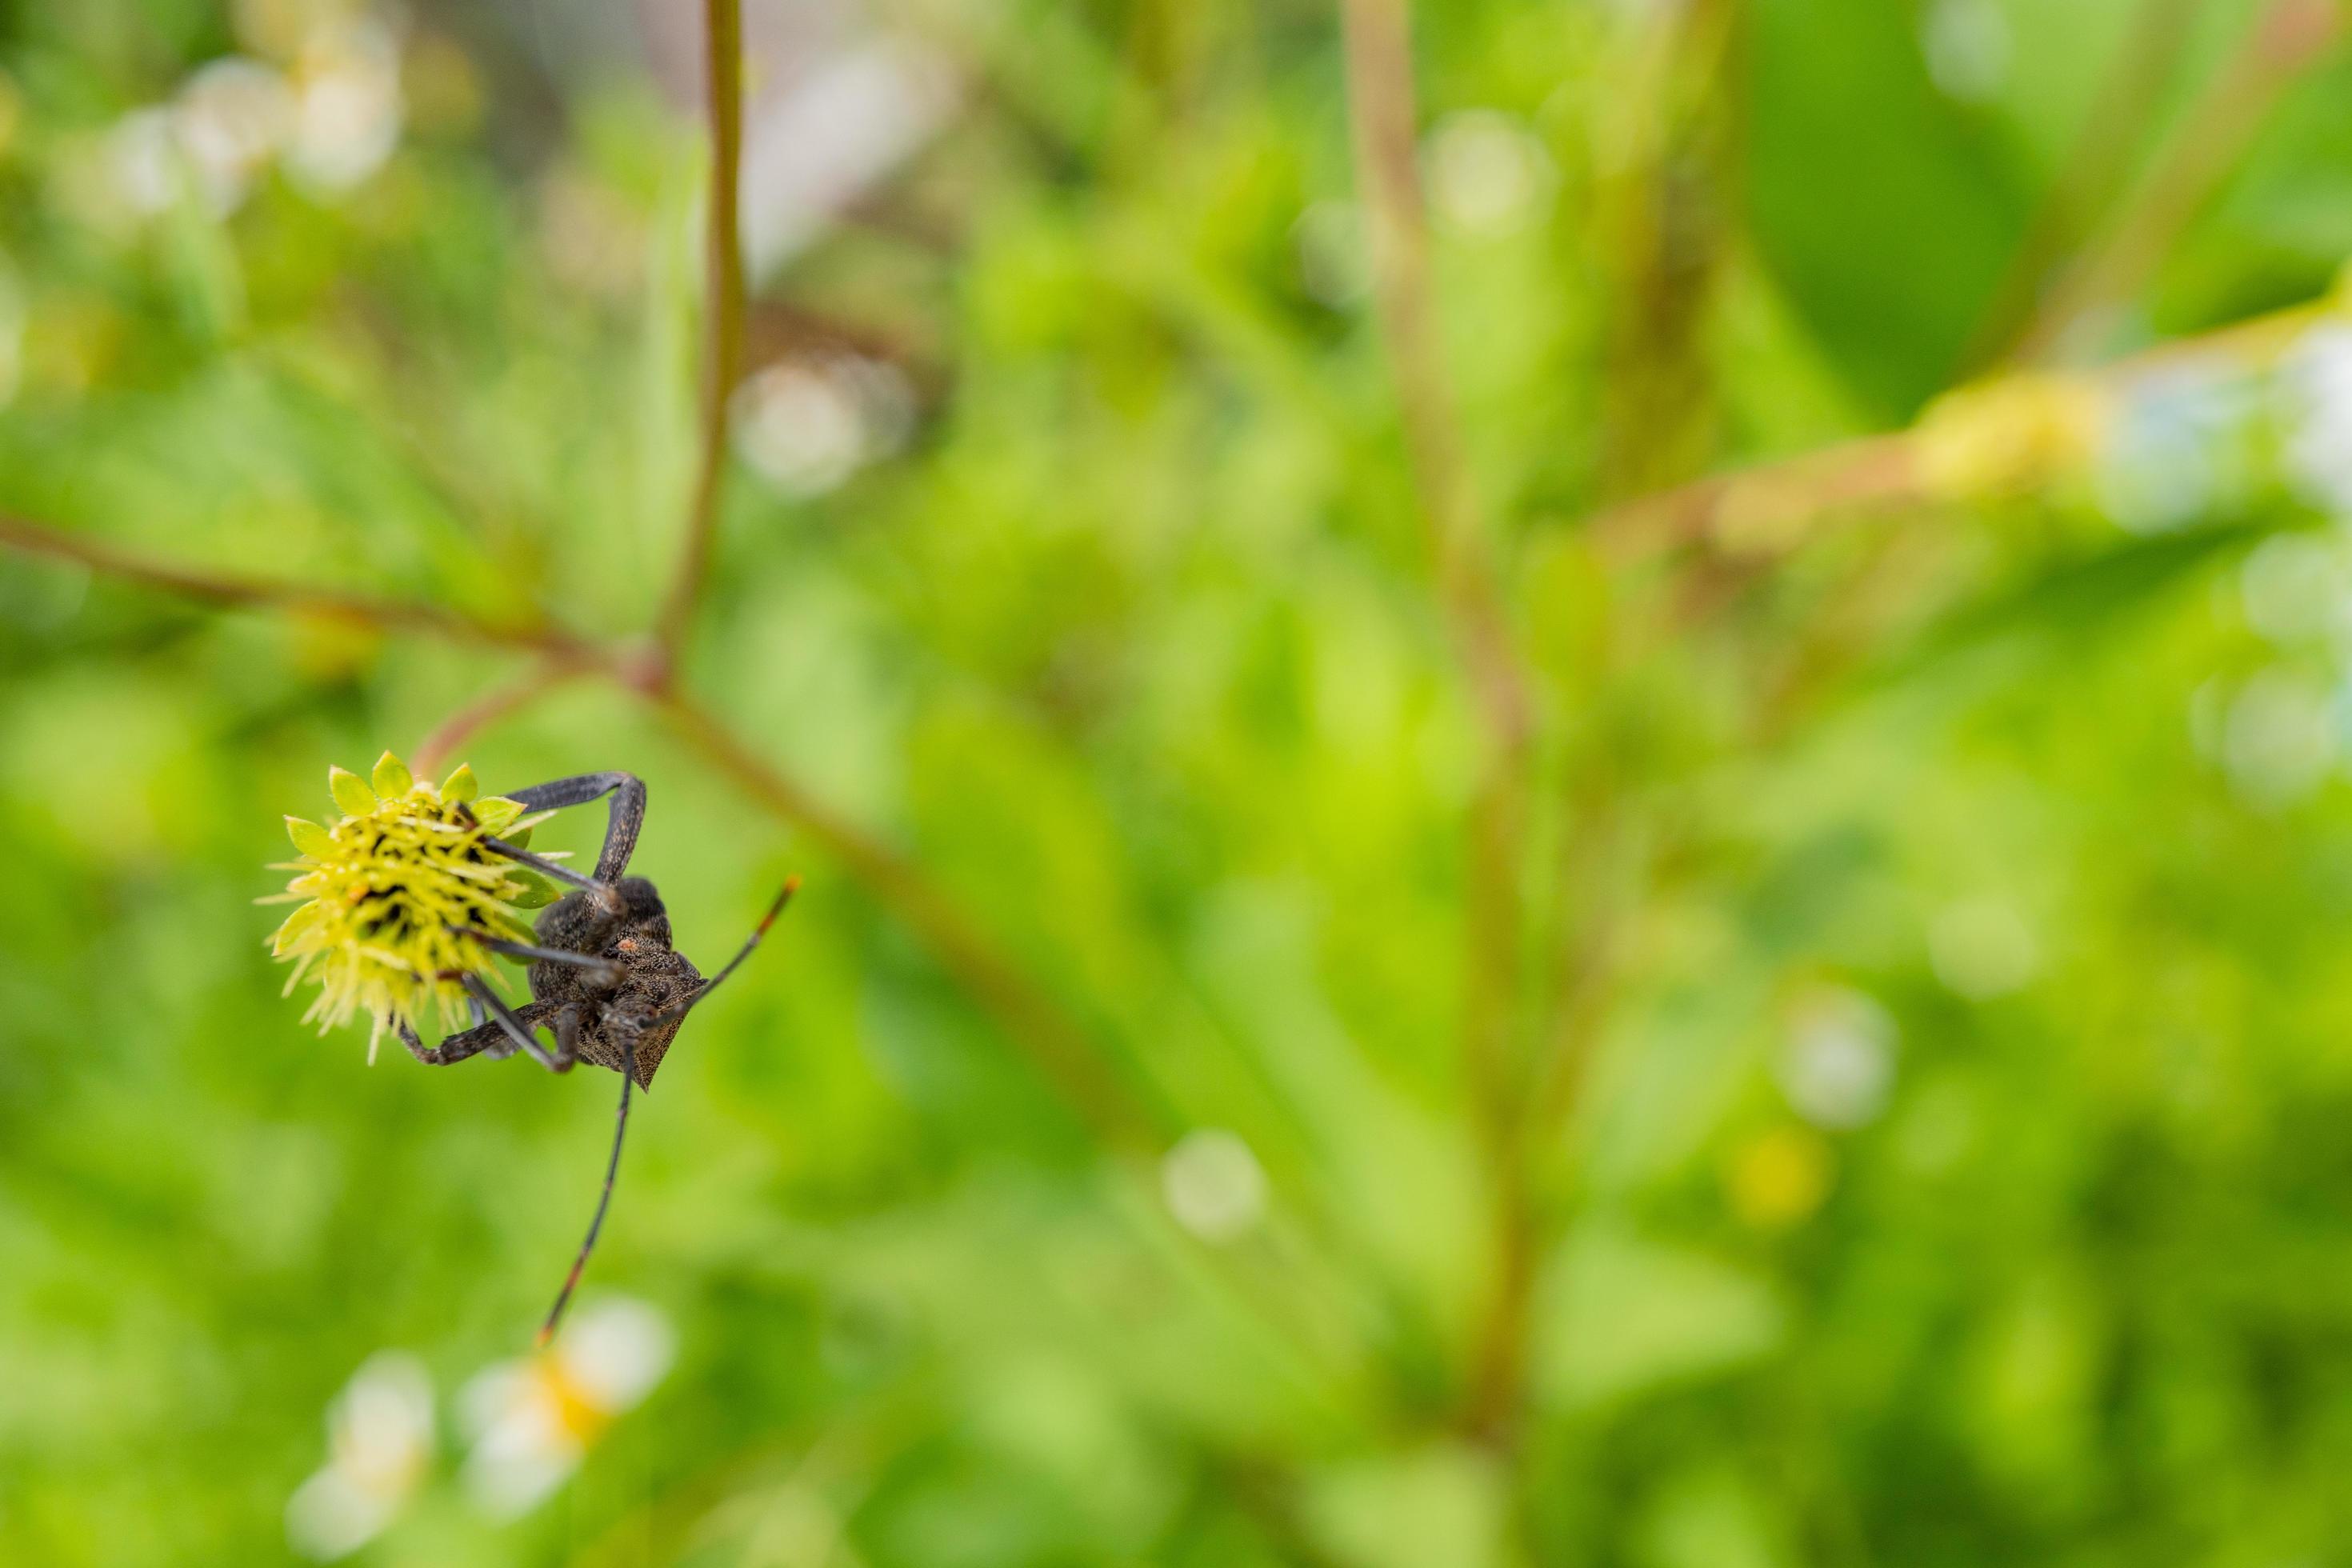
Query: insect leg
(456,1049)
(567,1037)
(546,868)
(516,1028)
(612,972)
(627,816)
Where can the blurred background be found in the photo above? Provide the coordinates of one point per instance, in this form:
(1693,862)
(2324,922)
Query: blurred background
(1582,797)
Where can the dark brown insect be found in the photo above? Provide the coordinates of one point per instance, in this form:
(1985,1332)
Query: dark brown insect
(604,975)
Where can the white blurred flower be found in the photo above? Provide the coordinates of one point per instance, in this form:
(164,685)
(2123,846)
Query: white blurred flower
(2315,378)
(144,156)
(332,124)
(2177,448)
(1334,262)
(379,1443)
(2296,586)
(1982,948)
(2315,382)
(229,119)
(2279,739)
(347,106)
(12,336)
(1213,1184)
(1838,1064)
(533,1419)
(842,128)
(807,424)
(1967,47)
(1488,175)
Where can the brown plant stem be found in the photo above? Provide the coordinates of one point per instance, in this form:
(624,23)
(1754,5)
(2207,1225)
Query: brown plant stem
(257,593)
(1380,107)
(1055,1042)
(1664,212)
(2288,39)
(1380,102)
(724,314)
(498,703)
(2096,167)
(1772,508)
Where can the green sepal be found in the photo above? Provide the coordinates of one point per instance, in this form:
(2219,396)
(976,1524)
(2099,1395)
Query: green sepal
(461,785)
(309,839)
(392,778)
(295,925)
(514,930)
(520,837)
(527,889)
(350,791)
(497,813)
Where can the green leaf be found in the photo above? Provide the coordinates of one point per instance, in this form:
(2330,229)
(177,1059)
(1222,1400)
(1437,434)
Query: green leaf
(392,778)
(1891,244)
(2084,596)
(520,837)
(527,889)
(497,813)
(461,785)
(350,791)
(309,839)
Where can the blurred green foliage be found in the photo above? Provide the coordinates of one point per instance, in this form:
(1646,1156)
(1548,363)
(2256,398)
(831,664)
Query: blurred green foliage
(1127,636)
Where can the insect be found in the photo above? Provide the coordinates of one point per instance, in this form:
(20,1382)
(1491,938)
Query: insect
(604,975)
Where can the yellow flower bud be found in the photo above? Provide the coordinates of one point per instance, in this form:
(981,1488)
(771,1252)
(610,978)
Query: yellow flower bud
(391,898)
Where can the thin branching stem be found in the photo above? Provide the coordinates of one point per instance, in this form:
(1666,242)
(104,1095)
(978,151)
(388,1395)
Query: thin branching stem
(2119,120)
(2288,40)
(1380,99)
(231,590)
(1059,1046)
(1775,508)
(723,318)
(492,707)
(1380,106)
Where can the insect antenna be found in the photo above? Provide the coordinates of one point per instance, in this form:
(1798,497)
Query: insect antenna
(604,1199)
(620,1118)
(677,1010)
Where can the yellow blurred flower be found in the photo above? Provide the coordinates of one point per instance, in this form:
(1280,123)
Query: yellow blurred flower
(1778,1177)
(387,894)
(2007,436)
